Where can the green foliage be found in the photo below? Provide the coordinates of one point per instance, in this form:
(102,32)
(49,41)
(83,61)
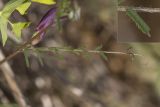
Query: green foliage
(48,2)
(38,54)
(26,57)
(63,10)
(5,14)
(3,28)
(102,54)
(10,7)
(23,7)
(40,59)
(18,27)
(139,21)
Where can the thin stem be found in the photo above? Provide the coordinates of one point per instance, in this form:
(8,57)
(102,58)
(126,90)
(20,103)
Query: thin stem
(25,45)
(140,9)
(62,49)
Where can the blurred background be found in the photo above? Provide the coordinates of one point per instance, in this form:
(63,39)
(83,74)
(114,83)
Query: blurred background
(70,80)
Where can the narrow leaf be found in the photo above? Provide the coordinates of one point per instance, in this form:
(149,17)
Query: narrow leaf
(26,58)
(39,57)
(40,60)
(23,7)
(103,56)
(48,2)
(143,27)
(11,6)
(3,28)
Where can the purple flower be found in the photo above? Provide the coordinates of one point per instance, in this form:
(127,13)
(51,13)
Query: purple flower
(47,20)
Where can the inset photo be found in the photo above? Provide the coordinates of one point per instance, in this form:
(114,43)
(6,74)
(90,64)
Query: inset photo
(138,21)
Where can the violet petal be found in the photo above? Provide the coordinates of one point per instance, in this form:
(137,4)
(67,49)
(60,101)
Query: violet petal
(47,19)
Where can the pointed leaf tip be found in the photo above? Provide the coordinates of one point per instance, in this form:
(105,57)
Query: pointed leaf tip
(23,8)
(3,29)
(18,27)
(48,2)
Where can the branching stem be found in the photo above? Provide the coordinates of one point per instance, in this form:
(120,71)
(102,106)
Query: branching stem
(120,8)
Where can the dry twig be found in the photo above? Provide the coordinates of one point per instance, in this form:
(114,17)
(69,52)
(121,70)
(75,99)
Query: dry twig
(9,76)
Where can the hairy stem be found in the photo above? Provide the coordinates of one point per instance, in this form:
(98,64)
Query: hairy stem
(64,49)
